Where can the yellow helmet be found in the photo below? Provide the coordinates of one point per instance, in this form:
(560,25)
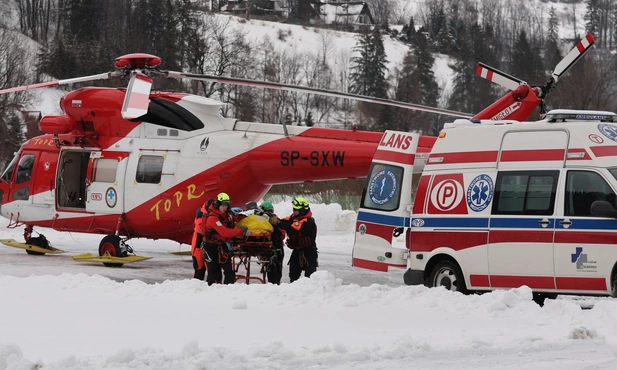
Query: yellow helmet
(300,204)
(223,197)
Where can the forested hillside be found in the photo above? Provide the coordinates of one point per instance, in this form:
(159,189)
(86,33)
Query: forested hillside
(398,58)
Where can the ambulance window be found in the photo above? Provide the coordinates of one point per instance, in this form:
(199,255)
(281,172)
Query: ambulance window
(383,187)
(582,189)
(525,193)
(105,170)
(6,175)
(149,169)
(24,170)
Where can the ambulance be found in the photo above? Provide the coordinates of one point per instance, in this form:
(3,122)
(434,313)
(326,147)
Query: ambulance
(497,204)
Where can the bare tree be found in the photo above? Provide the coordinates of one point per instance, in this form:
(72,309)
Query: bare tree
(326,44)
(35,18)
(216,47)
(13,72)
(381,9)
(590,84)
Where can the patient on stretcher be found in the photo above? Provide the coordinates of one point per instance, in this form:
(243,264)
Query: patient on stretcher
(256,224)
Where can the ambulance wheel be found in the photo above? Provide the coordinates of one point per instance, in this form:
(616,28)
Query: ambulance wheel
(448,275)
(614,282)
(111,244)
(540,298)
(39,241)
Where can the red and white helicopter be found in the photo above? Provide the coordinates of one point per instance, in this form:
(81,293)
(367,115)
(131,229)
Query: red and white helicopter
(135,163)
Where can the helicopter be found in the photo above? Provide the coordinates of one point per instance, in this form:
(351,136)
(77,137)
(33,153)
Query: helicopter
(135,162)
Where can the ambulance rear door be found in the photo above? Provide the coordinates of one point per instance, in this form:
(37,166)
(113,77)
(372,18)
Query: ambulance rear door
(385,209)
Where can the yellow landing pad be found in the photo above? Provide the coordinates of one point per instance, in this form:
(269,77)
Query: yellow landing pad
(89,257)
(180,253)
(30,247)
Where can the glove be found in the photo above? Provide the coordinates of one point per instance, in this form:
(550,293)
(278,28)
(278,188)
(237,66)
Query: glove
(274,220)
(245,230)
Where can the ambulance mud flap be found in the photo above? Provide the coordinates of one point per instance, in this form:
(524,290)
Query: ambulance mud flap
(385,208)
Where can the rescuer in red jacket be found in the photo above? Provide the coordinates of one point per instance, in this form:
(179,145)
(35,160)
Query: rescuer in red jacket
(219,231)
(197,253)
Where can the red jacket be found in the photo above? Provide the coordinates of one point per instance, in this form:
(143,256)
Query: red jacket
(220,227)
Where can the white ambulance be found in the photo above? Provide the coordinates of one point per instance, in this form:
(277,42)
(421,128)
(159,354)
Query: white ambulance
(498,204)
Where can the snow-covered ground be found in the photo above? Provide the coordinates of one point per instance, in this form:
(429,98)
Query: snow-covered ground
(59,314)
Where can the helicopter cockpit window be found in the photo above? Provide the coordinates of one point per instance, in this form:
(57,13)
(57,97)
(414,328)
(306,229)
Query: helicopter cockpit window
(105,170)
(149,169)
(22,193)
(8,172)
(166,113)
(24,170)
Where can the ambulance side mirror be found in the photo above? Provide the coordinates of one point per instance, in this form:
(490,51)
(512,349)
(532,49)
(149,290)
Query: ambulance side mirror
(602,208)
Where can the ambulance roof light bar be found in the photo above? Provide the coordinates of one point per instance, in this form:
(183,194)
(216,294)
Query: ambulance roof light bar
(477,122)
(561,115)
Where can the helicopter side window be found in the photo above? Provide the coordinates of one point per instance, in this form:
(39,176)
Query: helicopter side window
(8,172)
(105,170)
(24,170)
(149,169)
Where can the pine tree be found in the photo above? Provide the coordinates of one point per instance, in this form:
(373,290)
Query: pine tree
(417,85)
(408,31)
(592,17)
(309,120)
(552,53)
(408,90)
(379,66)
(368,71)
(470,93)
(526,62)
(360,65)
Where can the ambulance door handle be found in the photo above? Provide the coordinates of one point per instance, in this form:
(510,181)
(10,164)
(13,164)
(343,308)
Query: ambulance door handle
(544,222)
(565,223)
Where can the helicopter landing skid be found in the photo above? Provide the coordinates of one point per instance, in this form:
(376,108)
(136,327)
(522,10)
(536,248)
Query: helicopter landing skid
(180,253)
(108,259)
(30,247)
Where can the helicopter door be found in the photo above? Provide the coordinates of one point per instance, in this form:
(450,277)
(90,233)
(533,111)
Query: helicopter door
(22,186)
(385,209)
(105,182)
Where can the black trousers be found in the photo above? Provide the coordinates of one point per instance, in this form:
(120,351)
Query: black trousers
(217,258)
(200,273)
(274,268)
(304,259)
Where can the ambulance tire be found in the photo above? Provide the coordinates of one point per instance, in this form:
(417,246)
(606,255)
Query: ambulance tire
(540,298)
(614,282)
(449,275)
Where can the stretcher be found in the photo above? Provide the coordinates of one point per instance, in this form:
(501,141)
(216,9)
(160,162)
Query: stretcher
(249,251)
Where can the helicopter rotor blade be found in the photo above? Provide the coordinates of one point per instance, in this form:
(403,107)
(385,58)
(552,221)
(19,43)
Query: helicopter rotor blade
(497,76)
(137,96)
(101,76)
(304,89)
(573,56)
